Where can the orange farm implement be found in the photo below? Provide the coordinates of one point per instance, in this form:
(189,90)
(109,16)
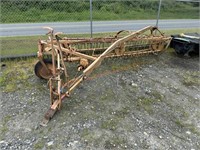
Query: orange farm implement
(56,54)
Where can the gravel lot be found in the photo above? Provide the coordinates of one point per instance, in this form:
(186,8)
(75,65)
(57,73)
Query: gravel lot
(149,102)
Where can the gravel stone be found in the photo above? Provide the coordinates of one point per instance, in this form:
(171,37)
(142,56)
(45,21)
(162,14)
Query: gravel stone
(155,105)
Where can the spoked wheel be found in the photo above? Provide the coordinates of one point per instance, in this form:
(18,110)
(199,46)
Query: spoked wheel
(42,72)
(158,46)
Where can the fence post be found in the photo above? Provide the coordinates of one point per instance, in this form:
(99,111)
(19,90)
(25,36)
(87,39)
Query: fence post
(91,27)
(158,16)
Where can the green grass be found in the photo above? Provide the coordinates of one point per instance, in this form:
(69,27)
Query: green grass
(16,75)
(4,126)
(188,126)
(39,145)
(191,78)
(20,45)
(18,13)
(180,14)
(116,142)
(110,124)
(145,103)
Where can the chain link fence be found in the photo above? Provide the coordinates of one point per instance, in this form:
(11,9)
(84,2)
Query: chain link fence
(43,11)
(32,11)
(15,11)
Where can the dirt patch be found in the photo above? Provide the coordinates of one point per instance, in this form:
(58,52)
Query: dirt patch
(149,102)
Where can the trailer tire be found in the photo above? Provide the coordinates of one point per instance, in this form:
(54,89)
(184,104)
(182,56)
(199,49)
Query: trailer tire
(178,48)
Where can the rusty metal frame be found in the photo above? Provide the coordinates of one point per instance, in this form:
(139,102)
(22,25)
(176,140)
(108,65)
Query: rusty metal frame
(90,52)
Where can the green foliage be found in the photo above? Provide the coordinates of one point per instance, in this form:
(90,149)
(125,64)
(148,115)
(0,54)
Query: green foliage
(110,124)
(15,76)
(39,145)
(188,126)
(116,143)
(4,127)
(145,103)
(88,135)
(19,45)
(61,10)
(191,78)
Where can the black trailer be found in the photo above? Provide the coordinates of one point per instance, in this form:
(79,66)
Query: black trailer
(186,44)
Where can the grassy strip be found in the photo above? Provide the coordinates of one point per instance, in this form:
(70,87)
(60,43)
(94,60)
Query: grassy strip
(16,74)
(45,16)
(76,10)
(11,46)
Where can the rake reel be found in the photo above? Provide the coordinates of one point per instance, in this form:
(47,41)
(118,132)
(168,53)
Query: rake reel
(56,54)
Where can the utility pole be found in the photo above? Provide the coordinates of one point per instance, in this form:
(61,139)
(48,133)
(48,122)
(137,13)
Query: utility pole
(91,27)
(158,16)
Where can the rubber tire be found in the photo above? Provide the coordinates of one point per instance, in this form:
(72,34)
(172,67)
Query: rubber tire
(178,48)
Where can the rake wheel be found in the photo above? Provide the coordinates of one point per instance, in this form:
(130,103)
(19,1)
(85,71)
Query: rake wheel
(41,71)
(158,46)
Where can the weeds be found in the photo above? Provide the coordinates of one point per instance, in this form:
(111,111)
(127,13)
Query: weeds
(87,135)
(76,11)
(39,145)
(191,78)
(110,124)
(16,74)
(190,127)
(122,112)
(146,103)
(4,127)
(116,142)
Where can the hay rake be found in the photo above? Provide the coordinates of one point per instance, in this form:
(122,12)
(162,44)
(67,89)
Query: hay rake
(56,54)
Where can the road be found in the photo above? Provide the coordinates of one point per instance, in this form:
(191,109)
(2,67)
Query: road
(28,29)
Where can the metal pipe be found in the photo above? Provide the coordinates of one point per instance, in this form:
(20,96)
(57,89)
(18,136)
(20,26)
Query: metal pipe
(158,16)
(91,27)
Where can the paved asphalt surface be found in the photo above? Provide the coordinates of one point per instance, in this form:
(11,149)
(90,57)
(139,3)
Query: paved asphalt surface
(26,29)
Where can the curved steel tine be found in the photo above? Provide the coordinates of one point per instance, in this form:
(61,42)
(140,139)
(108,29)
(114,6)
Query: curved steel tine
(48,28)
(58,33)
